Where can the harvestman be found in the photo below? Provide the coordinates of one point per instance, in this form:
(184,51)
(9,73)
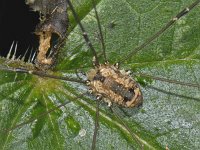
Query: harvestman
(106,81)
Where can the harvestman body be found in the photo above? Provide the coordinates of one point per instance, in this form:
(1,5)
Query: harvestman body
(108,81)
(114,85)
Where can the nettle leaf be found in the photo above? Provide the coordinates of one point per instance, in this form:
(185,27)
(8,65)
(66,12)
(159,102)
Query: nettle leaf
(170,112)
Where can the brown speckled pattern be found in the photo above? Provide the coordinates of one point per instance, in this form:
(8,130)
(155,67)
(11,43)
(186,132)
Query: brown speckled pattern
(114,75)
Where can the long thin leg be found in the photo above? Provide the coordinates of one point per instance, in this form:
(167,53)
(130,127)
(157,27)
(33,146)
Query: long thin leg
(127,128)
(173,94)
(96,126)
(41,115)
(157,34)
(168,80)
(100,31)
(33,119)
(39,73)
(84,33)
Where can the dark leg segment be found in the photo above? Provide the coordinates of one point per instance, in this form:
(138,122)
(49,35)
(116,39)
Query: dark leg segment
(163,29)
(84,33)
(96,126)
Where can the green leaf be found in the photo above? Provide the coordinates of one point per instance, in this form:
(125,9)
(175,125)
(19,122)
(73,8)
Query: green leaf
(170,112)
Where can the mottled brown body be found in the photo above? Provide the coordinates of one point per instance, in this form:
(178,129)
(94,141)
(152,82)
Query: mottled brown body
(115,86)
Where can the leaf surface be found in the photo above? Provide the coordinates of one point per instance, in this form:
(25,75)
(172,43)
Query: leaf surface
(170,112)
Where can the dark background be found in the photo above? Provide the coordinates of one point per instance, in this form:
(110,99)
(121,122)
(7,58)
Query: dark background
(17,23)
